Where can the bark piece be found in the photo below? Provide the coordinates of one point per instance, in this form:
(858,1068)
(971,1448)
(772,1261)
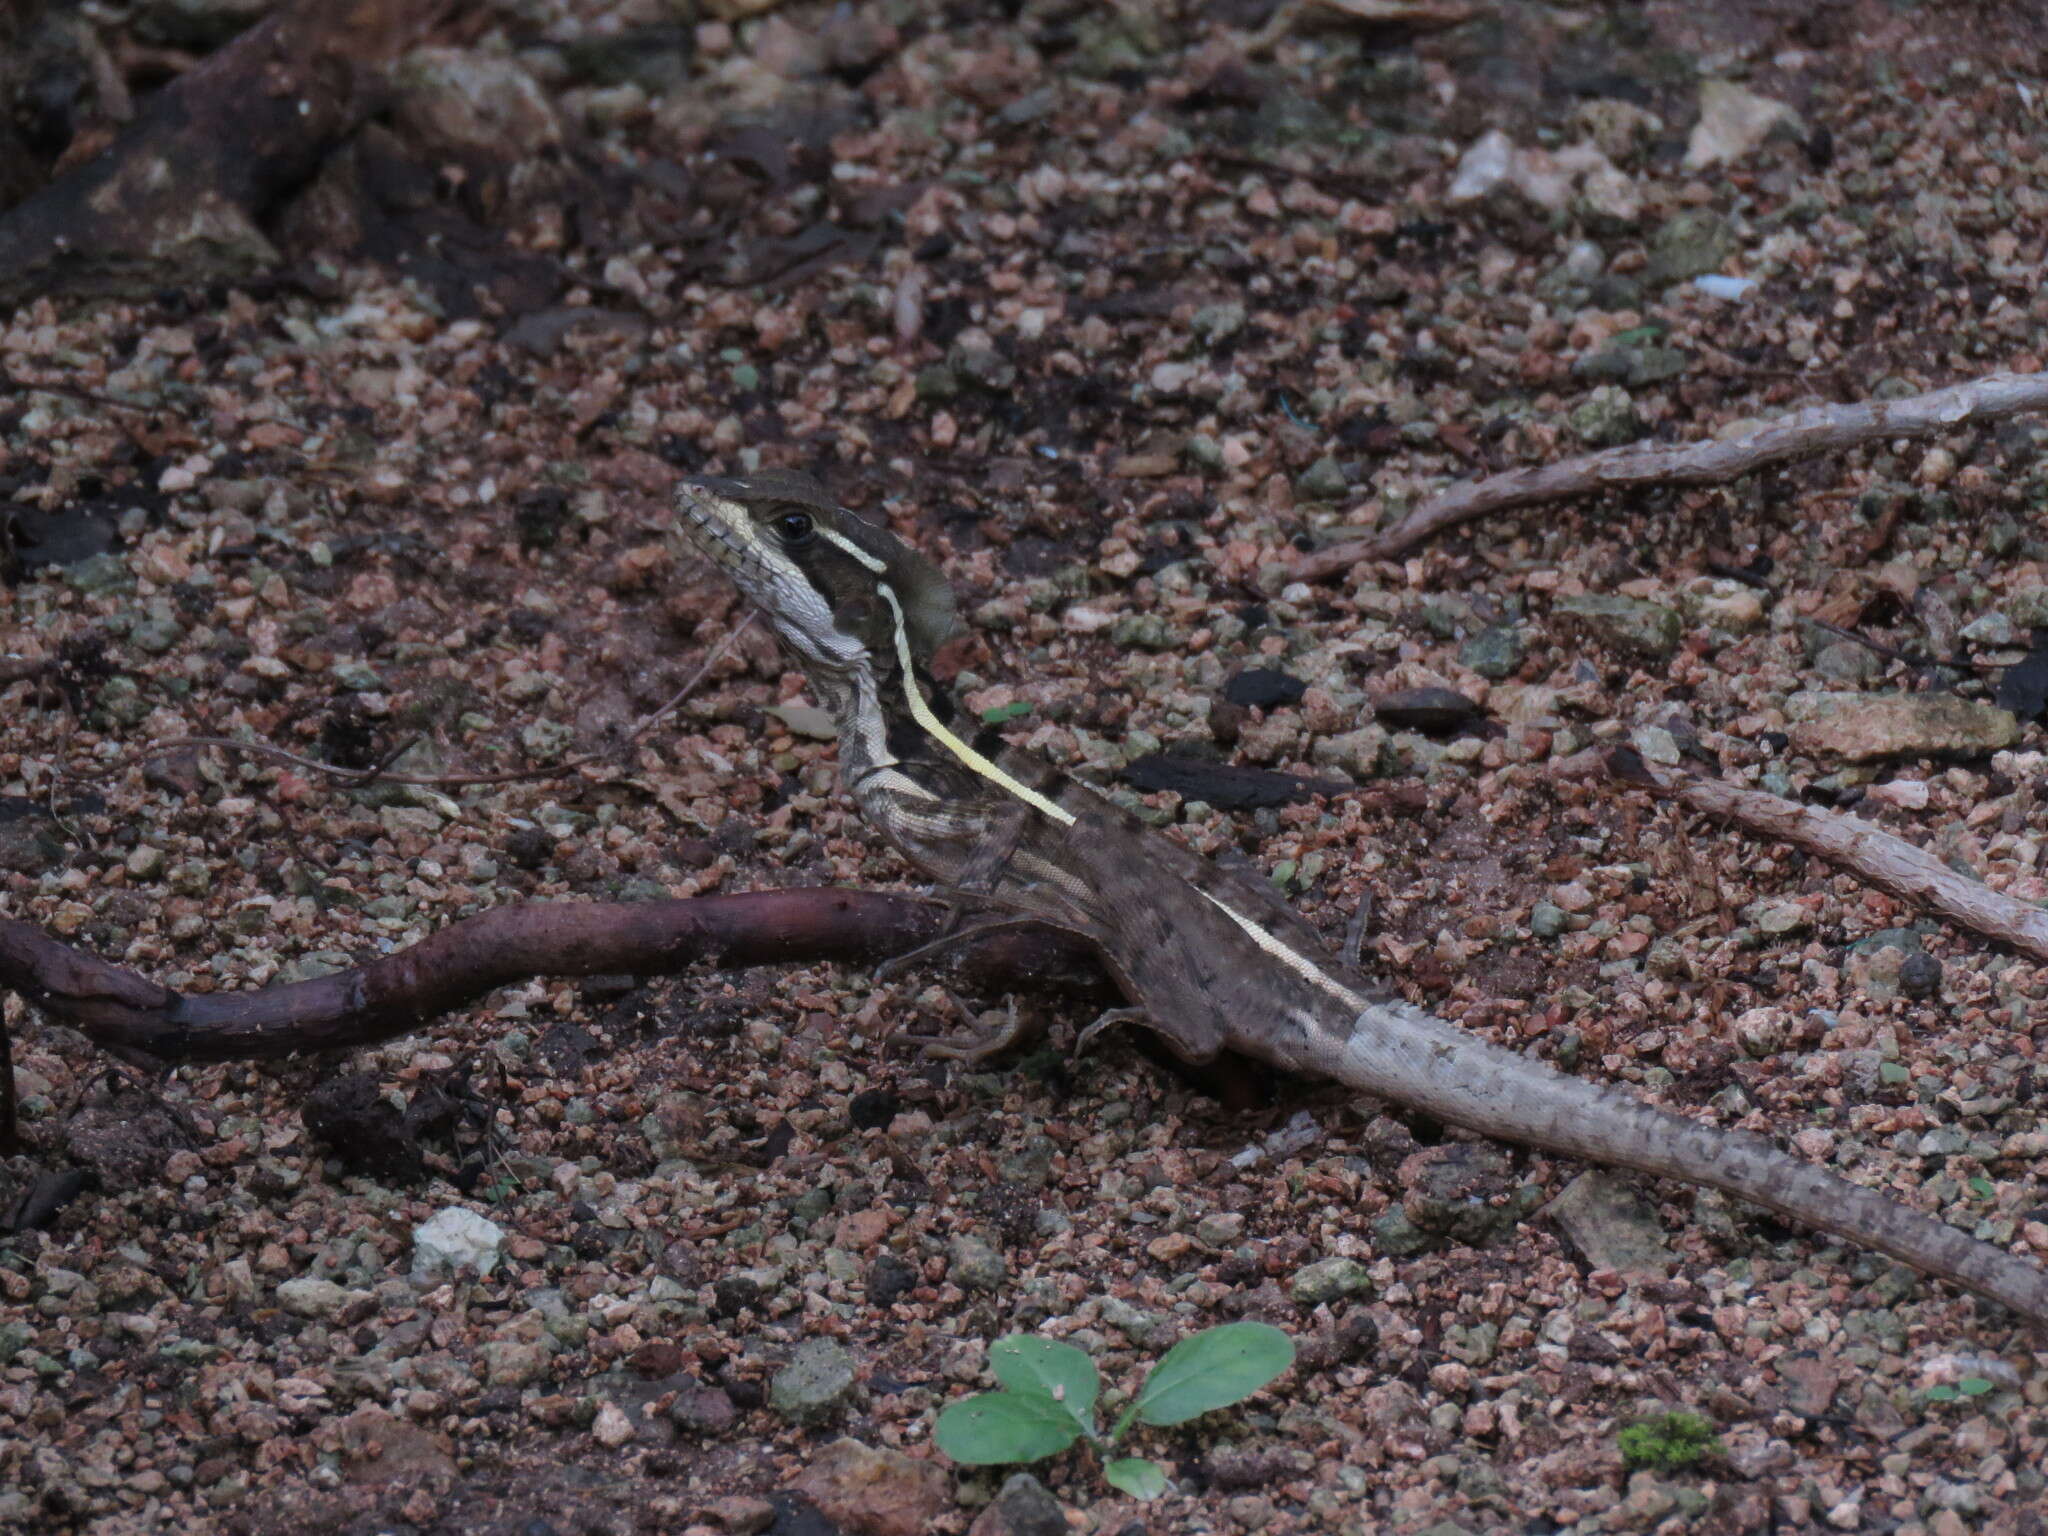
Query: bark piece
(176,198)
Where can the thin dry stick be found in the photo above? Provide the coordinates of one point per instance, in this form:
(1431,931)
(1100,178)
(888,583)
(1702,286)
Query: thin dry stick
(1873,855)
(1817,429)
(380,774)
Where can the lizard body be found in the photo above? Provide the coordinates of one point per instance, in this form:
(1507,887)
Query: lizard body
(1214,960)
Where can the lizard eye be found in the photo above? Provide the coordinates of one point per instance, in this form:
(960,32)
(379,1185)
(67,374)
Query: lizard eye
(794,528)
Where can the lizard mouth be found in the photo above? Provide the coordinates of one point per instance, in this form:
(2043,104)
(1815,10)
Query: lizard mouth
(714,532)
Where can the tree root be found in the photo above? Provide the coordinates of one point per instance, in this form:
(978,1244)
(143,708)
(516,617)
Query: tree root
(129,1015)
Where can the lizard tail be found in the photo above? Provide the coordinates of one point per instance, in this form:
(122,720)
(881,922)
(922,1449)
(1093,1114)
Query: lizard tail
(1399,1052)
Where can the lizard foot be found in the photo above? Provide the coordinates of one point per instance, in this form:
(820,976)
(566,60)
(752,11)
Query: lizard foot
(978,1047)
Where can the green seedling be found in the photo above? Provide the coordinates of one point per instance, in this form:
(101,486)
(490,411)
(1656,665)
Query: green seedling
(1670,1442)
(1951,1391)
(1049,1390)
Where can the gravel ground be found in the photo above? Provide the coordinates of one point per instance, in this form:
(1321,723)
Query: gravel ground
(1113,310)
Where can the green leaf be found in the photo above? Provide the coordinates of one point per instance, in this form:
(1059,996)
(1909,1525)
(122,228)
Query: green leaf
(1944,1393)
(1026,1363)
(1140,1478)
(1214,1369)
(1982,1188)
(1973,1386)
(1003,713)
(995,1427)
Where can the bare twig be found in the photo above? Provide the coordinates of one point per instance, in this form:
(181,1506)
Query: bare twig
(354,775)
(10,1126)
(1817,429)
(72,392)
(1877,647)
(1868,852)
(711,659)
(381,774)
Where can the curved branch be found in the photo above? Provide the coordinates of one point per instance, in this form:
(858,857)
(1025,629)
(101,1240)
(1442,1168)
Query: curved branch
(124,1011)
(1817,429)
(1868,852)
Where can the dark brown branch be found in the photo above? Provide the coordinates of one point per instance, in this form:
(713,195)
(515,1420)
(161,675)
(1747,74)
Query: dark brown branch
(123,1011)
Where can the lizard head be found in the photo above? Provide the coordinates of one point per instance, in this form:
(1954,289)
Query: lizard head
(837,590)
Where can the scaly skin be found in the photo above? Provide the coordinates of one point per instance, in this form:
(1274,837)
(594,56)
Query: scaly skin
(1214,961)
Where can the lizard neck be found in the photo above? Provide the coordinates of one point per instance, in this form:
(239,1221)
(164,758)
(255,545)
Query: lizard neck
(891,730)
(936,814)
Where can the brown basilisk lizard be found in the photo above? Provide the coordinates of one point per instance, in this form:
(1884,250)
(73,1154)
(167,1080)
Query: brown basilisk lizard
(1209,959)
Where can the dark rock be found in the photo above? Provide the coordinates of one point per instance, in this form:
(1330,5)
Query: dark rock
(529,847)
(1023,1508)
(873,1108)
(1264,688)
(1433,711)
(348,1118)
(567,1048)
(2023,688)
(656,58)
(539,516)
(41,1203)
(1224,786)
(889,1278)
(32,538)
(1920,975)
(702,1411)
(733,1294)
